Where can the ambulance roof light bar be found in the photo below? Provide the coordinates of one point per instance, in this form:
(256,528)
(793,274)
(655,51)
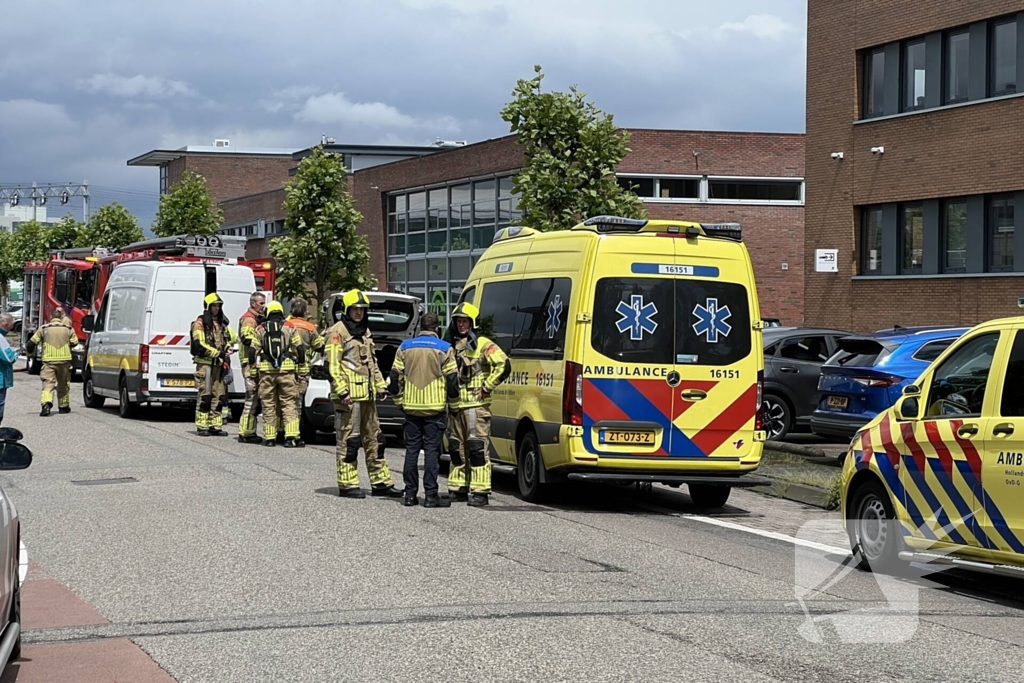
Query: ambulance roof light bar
(728,231)
(615,224)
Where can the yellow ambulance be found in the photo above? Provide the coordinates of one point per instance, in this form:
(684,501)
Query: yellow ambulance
(636,355)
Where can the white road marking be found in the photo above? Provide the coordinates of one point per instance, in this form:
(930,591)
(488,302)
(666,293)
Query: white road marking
(770,534)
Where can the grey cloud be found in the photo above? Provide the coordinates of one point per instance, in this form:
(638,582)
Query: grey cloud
(134,86)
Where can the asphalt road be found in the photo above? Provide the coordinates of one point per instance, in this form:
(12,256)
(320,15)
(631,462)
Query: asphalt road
(228,562)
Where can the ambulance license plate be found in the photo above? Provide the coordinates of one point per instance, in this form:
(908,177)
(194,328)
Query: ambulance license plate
(178,382)
(615,436)
(838,402)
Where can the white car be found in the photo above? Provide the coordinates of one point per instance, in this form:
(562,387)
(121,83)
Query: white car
(393,318)
(13,456)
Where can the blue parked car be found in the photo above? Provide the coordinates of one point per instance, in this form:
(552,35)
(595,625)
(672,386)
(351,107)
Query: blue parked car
(867,375)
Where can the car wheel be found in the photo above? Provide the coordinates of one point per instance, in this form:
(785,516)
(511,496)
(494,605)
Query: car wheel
(89,393)
(15,616)
(127,409)
(528,470)
(706,496)
(873,529)
(778,418)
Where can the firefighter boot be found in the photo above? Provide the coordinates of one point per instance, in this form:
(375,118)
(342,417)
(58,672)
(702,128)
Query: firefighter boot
(436,501)
(477,500)
(45,412)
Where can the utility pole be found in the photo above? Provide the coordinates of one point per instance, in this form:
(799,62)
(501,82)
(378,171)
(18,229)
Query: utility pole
(39,193)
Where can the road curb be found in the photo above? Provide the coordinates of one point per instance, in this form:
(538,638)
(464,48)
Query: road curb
(798,493)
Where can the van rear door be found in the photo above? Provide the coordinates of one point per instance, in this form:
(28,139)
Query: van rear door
(669,370)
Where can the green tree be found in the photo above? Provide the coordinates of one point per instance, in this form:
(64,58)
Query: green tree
(188,209)
(65,233)
(113,227)
(322,246)
(571,150)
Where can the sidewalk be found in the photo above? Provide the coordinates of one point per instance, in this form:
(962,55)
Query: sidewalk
(808,480)
(47,604)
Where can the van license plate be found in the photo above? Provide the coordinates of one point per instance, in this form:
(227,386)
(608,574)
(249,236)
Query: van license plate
(838,402)
(182,382)
(613,436)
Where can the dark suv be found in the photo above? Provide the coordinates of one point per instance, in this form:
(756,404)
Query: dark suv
(793,357)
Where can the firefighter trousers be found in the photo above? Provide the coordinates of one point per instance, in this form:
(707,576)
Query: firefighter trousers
(210,387)
(357,425)
(56,379)
(247,423)
(277,395)
(469,436)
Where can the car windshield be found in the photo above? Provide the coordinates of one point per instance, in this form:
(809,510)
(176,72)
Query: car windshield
(386,316)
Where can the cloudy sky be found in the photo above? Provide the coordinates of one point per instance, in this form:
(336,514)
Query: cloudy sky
(123,77)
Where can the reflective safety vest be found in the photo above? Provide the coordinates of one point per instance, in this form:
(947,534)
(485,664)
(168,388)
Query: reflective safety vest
(352,365)
(481,368)
(425,376)
(57,337)
(207,345)
(311,341)
(291,344)
(247,325)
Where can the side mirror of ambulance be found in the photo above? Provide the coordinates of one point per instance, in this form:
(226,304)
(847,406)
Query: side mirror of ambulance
(87,322)
(908,408)
(911,390)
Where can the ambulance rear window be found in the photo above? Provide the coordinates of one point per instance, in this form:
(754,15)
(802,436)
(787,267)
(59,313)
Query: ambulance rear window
(671,321)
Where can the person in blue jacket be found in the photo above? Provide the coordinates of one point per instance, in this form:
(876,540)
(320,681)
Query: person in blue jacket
(7,358)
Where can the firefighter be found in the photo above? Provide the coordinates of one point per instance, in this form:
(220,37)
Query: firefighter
(213,342)
(482,366)
(247,325)
(312,343)
(424,380)
(276,347)
(356,384)
(57,338)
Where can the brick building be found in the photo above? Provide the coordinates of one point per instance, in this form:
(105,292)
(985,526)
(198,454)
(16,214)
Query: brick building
(428,218)
(920,98)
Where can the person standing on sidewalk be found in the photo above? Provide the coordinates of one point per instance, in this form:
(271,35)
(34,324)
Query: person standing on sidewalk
(7,358)
(424,380)
(247,325)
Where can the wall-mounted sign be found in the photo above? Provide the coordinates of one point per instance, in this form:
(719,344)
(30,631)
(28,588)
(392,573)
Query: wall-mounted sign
(826,260)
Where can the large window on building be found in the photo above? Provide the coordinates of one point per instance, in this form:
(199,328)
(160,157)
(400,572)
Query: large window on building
(871,231)
(958,53)
(755,190)
(911,238)
(1000,233)
(914,68)
(874,83)
(1003,66)
(954,236)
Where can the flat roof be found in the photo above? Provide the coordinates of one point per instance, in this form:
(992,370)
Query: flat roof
(159,157)
(383,150)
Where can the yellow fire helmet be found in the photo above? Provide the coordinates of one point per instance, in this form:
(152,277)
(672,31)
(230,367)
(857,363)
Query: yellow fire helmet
(466,310)
(355,299)
(275,307)
(211,299)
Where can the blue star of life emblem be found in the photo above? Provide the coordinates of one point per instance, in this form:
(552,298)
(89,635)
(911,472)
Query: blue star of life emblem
(554,316)
(637,317)
(711,321)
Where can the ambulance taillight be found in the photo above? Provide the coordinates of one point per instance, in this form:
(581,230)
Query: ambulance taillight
(759,416)
(572,395)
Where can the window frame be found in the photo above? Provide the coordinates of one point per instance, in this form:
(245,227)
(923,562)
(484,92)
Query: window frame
(865,214)
(905,87)
(944,234)
(991,57)
(1017,335)
(947,73)
(868,66)
(801,189)
(792,341)
(990,199)
(901,222)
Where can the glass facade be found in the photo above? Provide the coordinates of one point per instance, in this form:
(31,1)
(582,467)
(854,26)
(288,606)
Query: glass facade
(436,235)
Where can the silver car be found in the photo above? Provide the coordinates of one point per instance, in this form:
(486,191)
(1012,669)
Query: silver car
(13,456)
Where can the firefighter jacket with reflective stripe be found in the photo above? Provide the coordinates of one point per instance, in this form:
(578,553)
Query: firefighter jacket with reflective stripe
(312,342)
(57,337)
(247,325)
(482,367)
(291,345)
(213,342)
(424,378)
(352,365)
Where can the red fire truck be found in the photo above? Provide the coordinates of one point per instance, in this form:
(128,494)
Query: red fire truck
(75,279)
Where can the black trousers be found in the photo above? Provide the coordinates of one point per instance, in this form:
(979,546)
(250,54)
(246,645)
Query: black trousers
(422,432)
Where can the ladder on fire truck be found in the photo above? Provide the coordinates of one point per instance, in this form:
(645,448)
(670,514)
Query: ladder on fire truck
(214,247)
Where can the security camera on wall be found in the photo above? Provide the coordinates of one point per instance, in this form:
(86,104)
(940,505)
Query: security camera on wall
(837,155)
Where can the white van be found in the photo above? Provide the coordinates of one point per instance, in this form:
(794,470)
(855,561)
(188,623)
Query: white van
(139,347)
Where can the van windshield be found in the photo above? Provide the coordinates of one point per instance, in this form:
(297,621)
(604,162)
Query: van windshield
(666,321)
